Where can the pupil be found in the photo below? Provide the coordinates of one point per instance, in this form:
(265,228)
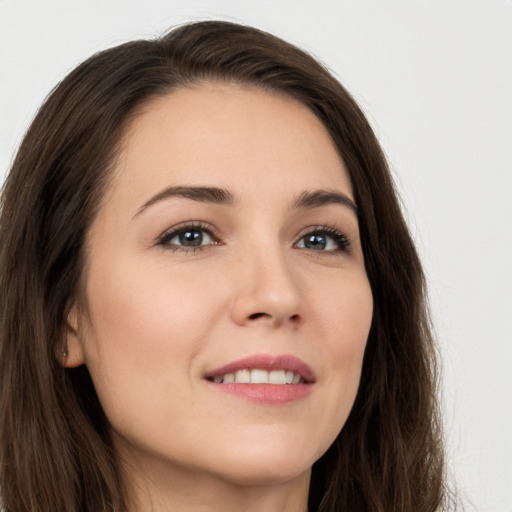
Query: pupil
(317,242)
(194,237)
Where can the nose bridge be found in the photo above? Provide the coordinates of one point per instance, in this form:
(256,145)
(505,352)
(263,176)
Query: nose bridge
(268,290)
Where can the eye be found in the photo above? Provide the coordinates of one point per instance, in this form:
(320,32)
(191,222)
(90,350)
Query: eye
(187,237)
(324,239)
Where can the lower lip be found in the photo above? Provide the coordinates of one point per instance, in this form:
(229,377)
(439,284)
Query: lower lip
(265,393)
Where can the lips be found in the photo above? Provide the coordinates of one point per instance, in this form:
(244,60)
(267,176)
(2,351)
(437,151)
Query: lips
(272,368)
(265,379)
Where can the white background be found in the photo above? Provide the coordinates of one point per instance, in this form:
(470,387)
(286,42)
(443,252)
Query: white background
(435,79)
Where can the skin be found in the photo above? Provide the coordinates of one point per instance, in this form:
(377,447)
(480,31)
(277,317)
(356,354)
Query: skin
(157,316)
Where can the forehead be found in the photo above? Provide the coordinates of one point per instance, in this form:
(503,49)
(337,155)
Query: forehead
(226,135)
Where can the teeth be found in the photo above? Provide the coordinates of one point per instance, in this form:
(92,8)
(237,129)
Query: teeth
(229,377)
(243,376)
(258,376)
(277,377)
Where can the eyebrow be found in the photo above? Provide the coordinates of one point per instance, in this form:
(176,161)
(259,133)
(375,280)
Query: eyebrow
(307,199)
(213,195)
(319,198)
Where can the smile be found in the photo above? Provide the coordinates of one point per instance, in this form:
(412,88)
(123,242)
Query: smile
(259,376)
(263,378)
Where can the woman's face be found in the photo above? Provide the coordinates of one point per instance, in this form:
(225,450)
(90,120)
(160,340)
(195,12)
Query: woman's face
(226,249)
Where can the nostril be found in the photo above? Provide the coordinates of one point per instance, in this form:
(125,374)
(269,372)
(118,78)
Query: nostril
(254,316)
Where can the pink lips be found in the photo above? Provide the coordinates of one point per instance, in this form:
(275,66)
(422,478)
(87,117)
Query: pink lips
(266,393)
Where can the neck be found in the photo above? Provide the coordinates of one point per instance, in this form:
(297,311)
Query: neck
(164,489)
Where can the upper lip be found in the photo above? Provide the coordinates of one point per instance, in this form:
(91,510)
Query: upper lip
(267,362)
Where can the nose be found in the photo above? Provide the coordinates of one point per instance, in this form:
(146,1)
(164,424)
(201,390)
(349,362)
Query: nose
(267,292)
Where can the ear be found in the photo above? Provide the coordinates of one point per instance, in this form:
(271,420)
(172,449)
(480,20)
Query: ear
(72,354)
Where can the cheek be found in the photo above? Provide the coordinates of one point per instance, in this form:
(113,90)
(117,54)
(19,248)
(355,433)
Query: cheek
(346,315)
(353,320)
(146,331)
(141,309)
(344,309)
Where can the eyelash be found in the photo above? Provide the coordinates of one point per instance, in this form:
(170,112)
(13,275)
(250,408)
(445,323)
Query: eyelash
(339,238)
(166,237)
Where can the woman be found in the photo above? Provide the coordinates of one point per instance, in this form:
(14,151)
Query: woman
(212,299)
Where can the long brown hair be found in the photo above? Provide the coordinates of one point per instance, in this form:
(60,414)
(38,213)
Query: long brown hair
(55,448)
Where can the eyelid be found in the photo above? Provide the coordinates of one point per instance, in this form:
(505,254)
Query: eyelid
(171,232)
(335,233)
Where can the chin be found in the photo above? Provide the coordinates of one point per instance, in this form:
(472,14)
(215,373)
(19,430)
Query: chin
(265,473)
(267,464)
